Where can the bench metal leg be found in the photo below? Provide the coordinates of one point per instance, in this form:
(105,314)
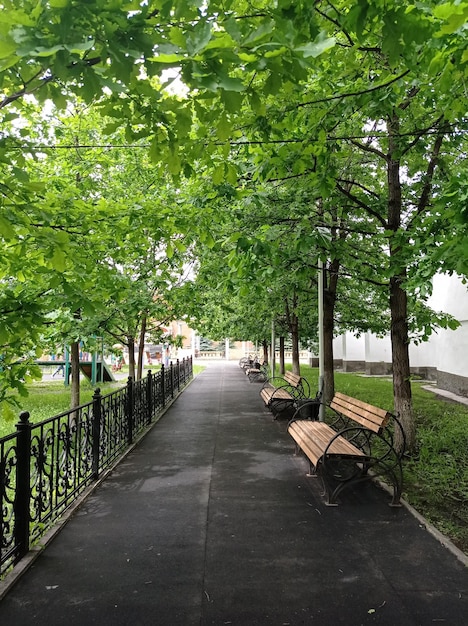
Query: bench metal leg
(312,470)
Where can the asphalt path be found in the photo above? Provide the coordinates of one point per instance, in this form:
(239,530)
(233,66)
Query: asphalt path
(211,519)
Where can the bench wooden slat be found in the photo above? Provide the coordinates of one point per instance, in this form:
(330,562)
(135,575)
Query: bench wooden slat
(365,405)
(322,444)
(293,379)
(280,393)
(365,414)
(317,435)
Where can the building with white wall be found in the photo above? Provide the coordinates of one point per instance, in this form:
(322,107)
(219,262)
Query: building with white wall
(444,358)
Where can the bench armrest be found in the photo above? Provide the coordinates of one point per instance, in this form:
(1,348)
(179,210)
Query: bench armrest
(381,459)
(377,447)
(305,387)
(306,409)
(342,423)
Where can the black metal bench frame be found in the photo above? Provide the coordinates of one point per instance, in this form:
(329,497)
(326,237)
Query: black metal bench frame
(257,373)
(357,445)
(281,393)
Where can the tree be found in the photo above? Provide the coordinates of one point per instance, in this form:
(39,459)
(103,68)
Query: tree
(260,74)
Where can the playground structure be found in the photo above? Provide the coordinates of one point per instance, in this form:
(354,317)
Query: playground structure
(95,370)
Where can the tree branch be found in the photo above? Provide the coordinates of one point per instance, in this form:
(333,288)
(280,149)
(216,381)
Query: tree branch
(424,131)
(335,22)
(353,182)
(369,148)
(362,204)
(426,190)
(350,94)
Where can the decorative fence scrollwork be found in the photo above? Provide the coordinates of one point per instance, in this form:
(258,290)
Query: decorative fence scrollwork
(45,466)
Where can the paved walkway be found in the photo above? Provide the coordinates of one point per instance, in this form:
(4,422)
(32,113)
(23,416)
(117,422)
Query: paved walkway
(211,520)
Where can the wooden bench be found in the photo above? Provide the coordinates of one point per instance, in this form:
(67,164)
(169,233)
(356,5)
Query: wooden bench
(247,361)
(257,372)
(279,393)
(358,445)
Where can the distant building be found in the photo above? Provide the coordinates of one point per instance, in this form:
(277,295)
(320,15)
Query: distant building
(443,359)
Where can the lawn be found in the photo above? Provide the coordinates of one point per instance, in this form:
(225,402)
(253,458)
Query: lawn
(50,397)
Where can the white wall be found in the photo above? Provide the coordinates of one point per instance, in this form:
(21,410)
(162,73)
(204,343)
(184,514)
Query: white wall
(451,296)
(444,356)
(338,348)
(354,348)
(424,354)
(377,349)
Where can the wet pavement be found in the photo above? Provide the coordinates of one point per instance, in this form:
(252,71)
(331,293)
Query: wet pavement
(211,519)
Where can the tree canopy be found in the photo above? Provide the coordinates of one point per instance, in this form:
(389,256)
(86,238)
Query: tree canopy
(265,134)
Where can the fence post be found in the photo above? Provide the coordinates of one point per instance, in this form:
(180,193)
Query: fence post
(97,416)
(149,397)
(130,408)
(178,375)
(23,484)
(163,386)
(172,379)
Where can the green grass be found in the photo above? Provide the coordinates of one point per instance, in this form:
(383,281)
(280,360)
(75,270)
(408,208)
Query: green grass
(49,398)
(436,476)
(46,399)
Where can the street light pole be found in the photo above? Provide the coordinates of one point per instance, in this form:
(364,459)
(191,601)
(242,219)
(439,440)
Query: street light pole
(273,352)
(320,332)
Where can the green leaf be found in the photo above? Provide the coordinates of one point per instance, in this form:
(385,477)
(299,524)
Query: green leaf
(166,58)
(231,84)
(232,100)
(7,47)
(257,104)
(173,161)
(266,28)
(223,129)
(6,228)
(231,175)
(198,38)
(273,83)
(179,244)
(59,260)
(316,48)
(218,174)
(357,15)
(276,52)
(80,46)
(47,52)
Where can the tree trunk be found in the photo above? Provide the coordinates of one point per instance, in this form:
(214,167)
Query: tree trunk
(265,352)
(75,374)
(329,302)
(296,366)
(401,366)
(398,302)
(131,356)
(293,326)
(141,347)
(281,356)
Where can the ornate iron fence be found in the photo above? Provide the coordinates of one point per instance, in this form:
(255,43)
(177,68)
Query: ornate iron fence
(45,466)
